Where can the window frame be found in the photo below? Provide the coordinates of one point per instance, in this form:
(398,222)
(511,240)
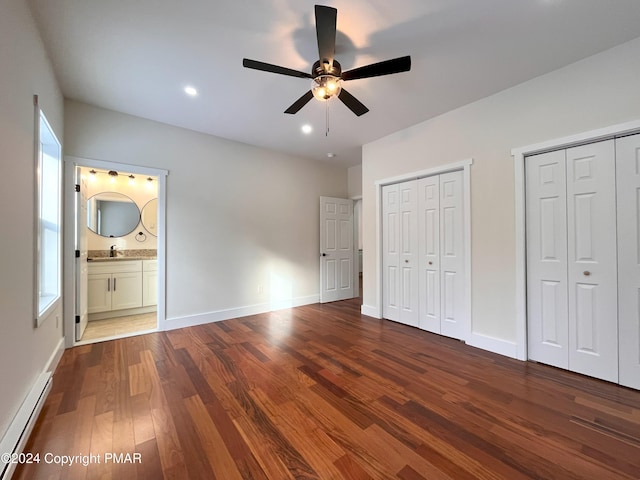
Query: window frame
(46,304)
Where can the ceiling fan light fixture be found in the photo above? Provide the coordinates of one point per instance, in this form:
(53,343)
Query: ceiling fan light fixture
(324,87)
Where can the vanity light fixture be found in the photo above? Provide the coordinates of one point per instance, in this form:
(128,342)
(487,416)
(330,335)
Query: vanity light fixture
(131,179)
(113,175)
(149,179)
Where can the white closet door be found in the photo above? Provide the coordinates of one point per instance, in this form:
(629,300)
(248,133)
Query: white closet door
(391,253)
(400,261)
(429,228)
(409,253)
(628,194)
(451,256)
(547,303)
(592,269)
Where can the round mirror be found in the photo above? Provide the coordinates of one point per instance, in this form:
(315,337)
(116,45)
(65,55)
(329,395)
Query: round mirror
(150,217)
(112,214)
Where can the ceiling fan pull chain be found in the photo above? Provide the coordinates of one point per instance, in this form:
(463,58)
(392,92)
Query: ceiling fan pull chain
(326,131)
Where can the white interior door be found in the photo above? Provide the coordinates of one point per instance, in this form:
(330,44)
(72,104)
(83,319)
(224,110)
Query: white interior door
(628,194)
(409,253)
(547,302)
(452,284)
(82,316)
(336,249)
(391,253)
(429,225)
(571,260)
(401,256)
(592,269)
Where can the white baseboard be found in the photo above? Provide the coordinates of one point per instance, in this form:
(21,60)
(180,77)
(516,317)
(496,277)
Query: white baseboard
(492,344)
(219,315)
(370,311)
(18,432)
(55,357)
(22,424)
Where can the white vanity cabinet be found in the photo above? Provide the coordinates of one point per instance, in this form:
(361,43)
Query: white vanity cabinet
(149,283)
(115,285)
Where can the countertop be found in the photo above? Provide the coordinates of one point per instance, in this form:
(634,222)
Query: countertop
(118,259)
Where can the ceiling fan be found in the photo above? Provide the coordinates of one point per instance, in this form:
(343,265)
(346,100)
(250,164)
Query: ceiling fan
(326,74)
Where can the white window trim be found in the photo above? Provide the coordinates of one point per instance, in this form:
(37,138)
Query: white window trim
(41,316)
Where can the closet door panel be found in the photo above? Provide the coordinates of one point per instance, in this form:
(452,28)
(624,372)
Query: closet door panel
(628,195)
(391,252)
(547,300)
(409,255)
(592,262)
(452,255)
(429,225)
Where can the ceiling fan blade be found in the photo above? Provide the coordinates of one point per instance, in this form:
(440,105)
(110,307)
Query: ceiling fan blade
(301,102)
(326,18)
(396,65)
(352,102)
(267,67)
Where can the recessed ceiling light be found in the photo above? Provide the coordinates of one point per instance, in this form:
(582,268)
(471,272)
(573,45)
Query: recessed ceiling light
(331,155)
(307,129)
(190,91)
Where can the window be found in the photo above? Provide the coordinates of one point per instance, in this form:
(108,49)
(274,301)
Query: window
(49,238)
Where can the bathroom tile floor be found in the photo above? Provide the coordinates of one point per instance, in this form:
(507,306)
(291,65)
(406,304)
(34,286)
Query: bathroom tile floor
(110,327)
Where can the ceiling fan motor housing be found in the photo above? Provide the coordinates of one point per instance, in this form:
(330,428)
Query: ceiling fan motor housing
(333,69)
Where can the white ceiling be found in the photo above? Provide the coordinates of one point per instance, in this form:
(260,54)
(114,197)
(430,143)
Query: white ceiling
(137,56)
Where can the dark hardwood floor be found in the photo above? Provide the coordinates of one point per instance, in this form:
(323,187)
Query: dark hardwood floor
(323,392)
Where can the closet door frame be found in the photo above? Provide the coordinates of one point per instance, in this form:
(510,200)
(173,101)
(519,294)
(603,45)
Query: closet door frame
(519,155)
(465,167)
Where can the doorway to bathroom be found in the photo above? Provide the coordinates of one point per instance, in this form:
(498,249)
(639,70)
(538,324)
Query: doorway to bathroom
(116,243)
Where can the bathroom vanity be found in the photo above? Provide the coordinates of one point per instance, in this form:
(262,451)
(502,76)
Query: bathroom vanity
(121,286)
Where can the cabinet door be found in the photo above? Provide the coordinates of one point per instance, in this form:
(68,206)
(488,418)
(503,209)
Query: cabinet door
(429,226)
(547,303)
(126,290)
(592,269)
(99,292)
(149,288)
(628,182)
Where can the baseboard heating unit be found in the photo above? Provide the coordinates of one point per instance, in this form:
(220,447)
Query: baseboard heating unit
(18,433)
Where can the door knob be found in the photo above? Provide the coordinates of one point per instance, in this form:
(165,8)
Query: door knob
(324,254)
(586,273)
(430,263)
(406,261)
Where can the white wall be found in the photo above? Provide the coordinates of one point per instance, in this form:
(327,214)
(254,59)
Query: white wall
(596,92)
(355,181)
(25,71)
(242,222)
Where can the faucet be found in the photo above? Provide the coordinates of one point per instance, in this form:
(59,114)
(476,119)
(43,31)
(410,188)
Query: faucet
(112,251)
